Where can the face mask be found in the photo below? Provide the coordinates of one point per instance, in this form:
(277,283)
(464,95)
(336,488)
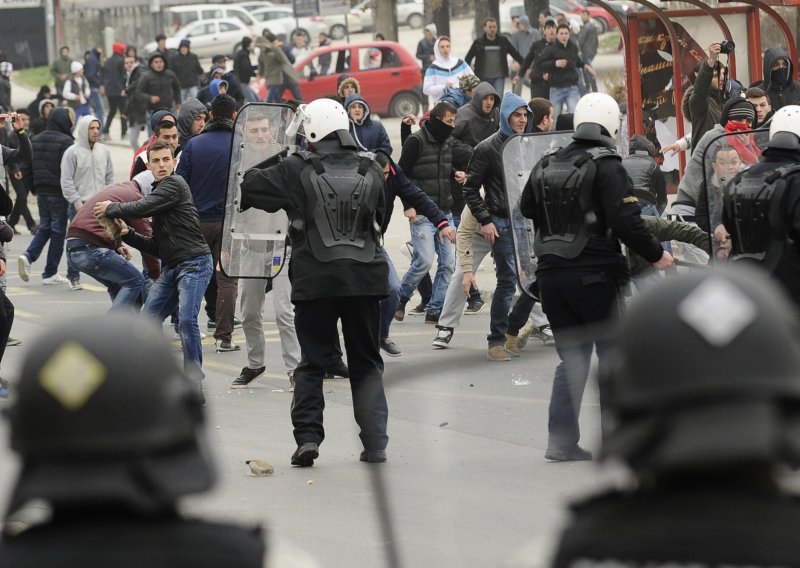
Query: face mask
(779,76)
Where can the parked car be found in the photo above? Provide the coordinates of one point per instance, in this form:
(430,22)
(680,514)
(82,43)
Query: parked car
(338,25)
(255,4)
(177,17)
(409,13)
(604,20)
(513,8)
(208,37)
(389,75)
(280,20)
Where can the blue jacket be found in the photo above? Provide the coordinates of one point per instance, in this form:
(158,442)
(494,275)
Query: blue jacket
(369,135)
(204,166)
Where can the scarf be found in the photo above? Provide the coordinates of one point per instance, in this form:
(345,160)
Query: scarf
(748,152)
(440,60)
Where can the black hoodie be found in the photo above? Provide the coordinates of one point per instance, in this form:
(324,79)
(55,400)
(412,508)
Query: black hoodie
(472,124)
(782,90)
(48,149)
(163,84)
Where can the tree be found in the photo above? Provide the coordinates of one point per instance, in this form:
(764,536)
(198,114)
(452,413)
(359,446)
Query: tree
(441,16)
(485,9)
(533,7)
(386,19)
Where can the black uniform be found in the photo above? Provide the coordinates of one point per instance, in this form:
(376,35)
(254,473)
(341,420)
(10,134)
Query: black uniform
(336,273)
(761,212)
(581,265)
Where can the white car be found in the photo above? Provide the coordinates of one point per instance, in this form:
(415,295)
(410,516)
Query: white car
(255,5)
(208,37)
(280,20)
(409,13)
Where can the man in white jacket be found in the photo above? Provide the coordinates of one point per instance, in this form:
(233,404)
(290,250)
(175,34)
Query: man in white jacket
(86,168)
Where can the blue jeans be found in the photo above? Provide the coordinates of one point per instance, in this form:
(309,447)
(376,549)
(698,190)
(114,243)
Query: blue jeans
(182,286)
(275,93)
(561,95)
(653,211)
(72,272)
(389,303)
(97,103)
(425,239)
(499,84)
(506,269)
(52,227)
(188,93)
(82,110)
(125,282)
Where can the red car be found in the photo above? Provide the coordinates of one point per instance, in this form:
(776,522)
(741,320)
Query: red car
(390,77)
(605,21)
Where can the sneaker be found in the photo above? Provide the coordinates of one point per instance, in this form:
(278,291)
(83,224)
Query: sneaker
(474,307)
(341,371)
(571,454)
(391,348)
(512,344)
(225,345)
(54,279)
(75,284)
(498,353)
(177,336)
(24,266)
(13,342)
(246,377)
(400,312)
(418,310)
(544,334)
(443,337)
(33,228)
(524,334)
(305,454)
(432,318)
(373,456)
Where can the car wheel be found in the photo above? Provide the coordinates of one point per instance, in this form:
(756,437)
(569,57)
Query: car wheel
(416,21)
(404,104)
(338,31)
(602,25)
(302,32)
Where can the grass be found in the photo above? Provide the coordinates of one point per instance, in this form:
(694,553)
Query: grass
(34,78)
(609,43)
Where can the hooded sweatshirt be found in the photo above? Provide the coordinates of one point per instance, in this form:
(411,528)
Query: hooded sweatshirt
(778,84)
(163,84)
(190,109)
(48,149)
(486,167)
(472,124)
(367,133)
(443,73)
(85,169)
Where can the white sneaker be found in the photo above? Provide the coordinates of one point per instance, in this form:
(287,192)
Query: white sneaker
(54,279)
(75,284)
(177,336)
(24,266)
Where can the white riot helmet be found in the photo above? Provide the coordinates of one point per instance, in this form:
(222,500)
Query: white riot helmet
(598,108)
(319,118)
(786,119)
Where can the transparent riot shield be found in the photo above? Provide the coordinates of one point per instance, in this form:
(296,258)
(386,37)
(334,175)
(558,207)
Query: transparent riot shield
(520,153)
(723,158)
(254,242)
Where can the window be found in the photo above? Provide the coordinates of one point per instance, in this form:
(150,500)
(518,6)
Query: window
(202,30)
(341,60)
(181,19)
(241,16)
(211,14)
(228,27)
(318,66)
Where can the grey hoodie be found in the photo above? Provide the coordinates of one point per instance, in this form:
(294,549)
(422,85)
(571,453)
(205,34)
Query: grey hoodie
(85,169)
(472,124)
(190,109)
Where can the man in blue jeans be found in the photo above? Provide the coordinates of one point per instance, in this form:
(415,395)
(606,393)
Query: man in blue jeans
(178,242)
(48,149)
(491,211)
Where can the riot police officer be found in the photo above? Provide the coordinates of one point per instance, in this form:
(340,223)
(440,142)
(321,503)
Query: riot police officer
(334,197)
(111,435)
(582,203)
(702,435)
(761,209)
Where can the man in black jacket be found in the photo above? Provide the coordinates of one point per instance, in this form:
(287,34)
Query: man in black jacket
(244,69)
(338,272)
(187,69)
(490,52)
(561,61)
(159,88)
(179,243)
(48,149)
(114,85)
(582,203)
(540,83)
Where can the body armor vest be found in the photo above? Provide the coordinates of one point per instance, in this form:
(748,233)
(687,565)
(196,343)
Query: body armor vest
(562,191)
(640,168)
(341,202)
(753,209)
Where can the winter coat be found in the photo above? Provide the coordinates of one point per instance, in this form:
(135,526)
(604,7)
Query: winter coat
(784,91)
(48,150)
(187,69)
(271,62)
(85,169)
(561,77)
(428,162)
(190,109)
(368,134)
(472,124)
(163,84)
(588,41)
(701,106)
(77,91)
(114,75)
(242,66)
(443,73)
(136,109)
(477,51)
(93,70)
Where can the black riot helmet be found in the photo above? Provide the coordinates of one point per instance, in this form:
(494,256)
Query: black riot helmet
(103,414)
(704,374)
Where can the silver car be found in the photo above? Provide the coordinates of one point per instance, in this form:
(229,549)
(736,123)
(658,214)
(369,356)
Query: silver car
(208,37)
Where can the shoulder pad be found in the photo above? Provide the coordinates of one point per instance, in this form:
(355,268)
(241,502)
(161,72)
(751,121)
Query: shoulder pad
(304,154)
(366,154)
(783,172)
(552,151)
(600,152)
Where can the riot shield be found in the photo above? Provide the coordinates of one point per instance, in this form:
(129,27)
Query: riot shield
(725,156)
(253,241)
(520,153)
